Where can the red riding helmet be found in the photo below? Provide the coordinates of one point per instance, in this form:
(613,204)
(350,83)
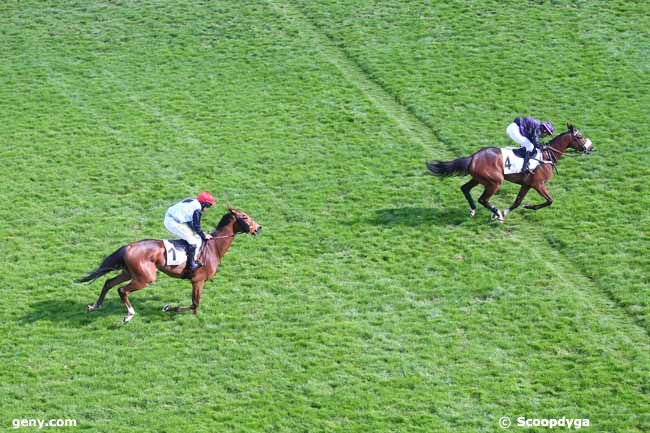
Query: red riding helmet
(206,197)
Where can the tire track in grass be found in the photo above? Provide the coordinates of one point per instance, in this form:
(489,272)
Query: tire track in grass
(405,117)
(421,133)
(560,265)
(79,98)
(638,320)
(76,98)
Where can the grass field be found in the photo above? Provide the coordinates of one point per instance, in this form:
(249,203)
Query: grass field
(371,302)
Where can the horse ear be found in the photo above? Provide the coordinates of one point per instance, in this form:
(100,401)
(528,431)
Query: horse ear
(569,126)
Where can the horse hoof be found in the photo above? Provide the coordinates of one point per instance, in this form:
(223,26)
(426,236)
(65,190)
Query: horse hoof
(90,308)
(498,216)
(127,318)
(165,308)
(472,212)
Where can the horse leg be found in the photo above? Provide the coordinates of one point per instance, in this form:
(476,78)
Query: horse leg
(484,199)
(466,189)
(124,276)
(522,193)
(541,189)
(197,289)
(125,291)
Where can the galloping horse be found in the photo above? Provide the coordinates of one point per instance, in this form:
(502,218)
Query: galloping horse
(140,261)
(486,168)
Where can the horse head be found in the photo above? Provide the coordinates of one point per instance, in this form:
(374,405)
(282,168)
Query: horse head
(578,141)
(244,223)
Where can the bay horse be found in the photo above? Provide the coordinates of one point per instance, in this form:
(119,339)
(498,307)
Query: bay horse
(140,262)
(486,168)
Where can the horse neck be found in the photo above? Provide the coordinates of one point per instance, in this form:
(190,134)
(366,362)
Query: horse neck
(222,240)
(560,144)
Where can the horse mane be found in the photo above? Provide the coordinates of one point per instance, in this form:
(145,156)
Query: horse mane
(557,137)
(225,220)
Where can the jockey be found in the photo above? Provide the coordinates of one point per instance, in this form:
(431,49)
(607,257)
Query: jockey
(527,133)
(184,219)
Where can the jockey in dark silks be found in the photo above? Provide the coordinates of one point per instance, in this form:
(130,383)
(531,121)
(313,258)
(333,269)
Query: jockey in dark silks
(528,133)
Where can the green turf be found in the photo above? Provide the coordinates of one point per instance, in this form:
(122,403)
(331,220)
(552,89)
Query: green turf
(370,302)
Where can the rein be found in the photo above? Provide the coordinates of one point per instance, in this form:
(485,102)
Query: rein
(554,158)
(224,237)
(221,237)
(568,155)
(565,154)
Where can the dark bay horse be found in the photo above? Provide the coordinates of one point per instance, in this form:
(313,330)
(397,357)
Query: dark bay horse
(486,168)
(140,262)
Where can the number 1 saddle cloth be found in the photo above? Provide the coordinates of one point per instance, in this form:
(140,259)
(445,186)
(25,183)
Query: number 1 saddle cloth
(176,250)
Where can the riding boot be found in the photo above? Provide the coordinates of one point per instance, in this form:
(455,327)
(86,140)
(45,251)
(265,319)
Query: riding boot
(525,169)
(192,264)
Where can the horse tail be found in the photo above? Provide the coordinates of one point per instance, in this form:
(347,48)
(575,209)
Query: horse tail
(457,167)
(111,263)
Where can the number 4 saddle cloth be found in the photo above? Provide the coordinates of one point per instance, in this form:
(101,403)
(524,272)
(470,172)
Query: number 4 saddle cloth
(513,159)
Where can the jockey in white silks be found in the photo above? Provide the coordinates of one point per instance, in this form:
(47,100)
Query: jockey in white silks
(184,219)
(528,133)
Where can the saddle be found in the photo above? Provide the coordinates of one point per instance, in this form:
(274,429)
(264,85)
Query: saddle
(176,254)
(175,251)
(513,159)
(520,152)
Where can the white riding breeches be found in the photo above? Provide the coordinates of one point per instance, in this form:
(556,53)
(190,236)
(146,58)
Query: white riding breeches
(513,132)
(183,231)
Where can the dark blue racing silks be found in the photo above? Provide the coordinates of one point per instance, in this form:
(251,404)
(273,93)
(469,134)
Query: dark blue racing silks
(531,129)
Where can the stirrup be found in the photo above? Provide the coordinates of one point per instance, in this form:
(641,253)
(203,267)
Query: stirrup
(194,266)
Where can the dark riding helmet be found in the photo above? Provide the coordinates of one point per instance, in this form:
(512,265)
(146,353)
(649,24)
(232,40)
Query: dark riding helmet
(548,126)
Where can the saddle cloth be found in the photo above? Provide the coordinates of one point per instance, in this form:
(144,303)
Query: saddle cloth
(176,251)
(513,159)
